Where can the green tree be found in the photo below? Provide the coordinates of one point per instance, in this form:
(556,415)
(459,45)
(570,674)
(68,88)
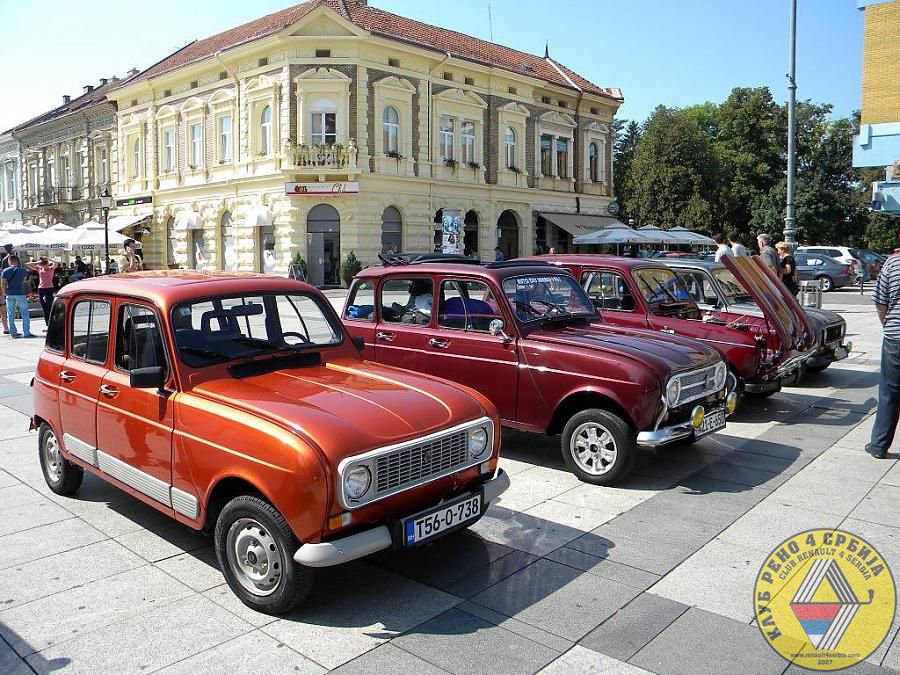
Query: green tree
(627,135)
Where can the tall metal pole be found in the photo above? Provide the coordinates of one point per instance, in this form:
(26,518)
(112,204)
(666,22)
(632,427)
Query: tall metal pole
(790,231)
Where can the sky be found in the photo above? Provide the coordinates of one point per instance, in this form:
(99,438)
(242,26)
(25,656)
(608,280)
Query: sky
(670,52)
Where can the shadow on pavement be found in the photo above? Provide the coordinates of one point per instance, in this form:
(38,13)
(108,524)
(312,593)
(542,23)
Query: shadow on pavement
(11,662)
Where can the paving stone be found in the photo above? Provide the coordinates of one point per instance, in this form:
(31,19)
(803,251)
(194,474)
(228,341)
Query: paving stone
(556,598)
(879,506)
(670,465)
(198,569)
(527,533)
(11,663)
(386,659)
(885,538)
(18,446)
(526,630)
(628,630)
(39,542)
(223,595)
(653,521)
(169,540)
(725,470)
(769,523)
(769,447)
(608,501)
(21,517)
(248,654)
(716,508)
(852,462)
(892,477)
(569,515)
(862,668)
(657,556)
(786,465)
(22,403)
(33,579)
(6,479)
(151,640)
(11,388)
(532,487)
(891,657)
(16,495)
(581,660)
(40,624)
(702,642)
(459,642)
(819,488)
(354,608)
(602,567)
(485,577)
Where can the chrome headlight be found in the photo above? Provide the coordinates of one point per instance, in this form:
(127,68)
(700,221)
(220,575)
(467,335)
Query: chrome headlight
(719,376)
(673,391)
(357,482)
(478,441)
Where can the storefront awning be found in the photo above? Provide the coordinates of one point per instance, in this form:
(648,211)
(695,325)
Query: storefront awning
(187,220)
(578,224)
(119,223)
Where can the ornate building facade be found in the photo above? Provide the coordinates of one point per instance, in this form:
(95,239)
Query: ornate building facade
(10,180)
(333,126)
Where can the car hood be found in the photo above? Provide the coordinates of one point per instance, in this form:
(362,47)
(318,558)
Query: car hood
(665,352)
(348,406)
(820,318)
(781,310)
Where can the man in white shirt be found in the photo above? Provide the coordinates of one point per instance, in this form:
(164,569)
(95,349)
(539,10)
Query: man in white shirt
(723,248)
(735,240)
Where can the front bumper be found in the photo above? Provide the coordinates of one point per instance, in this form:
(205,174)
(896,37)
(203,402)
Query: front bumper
(787,373)
(681,430)
(361,544)
(828,354)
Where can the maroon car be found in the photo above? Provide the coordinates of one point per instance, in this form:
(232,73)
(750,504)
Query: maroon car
(526,336)
(761,351)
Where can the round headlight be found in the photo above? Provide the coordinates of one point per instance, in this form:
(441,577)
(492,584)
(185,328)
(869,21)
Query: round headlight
(673,391)
(720,375)
(478,440)
(357,482)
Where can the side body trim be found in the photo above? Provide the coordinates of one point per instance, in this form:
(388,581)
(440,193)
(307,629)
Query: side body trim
(139,480)
(185,503)
(80,449)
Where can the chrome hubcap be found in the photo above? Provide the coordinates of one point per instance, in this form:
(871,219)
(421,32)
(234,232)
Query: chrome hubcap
(593,448)
(254,557)
(52,458)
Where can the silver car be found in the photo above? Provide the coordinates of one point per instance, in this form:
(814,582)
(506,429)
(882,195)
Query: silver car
(829,272)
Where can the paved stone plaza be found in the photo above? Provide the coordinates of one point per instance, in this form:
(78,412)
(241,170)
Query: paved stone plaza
(559,577)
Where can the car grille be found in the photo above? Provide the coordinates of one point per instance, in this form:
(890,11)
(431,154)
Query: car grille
(420,462)
(833,333)
(696,384)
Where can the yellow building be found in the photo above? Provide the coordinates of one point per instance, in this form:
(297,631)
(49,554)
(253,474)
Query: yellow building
(333,126)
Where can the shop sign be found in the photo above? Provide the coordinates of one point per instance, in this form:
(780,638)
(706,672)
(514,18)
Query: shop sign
(134,201)
(337,188)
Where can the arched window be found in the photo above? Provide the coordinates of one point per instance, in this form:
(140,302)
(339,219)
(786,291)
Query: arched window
(391,127)
(265,131)
(509,142)
(592,162)
(391,231)
(136,158)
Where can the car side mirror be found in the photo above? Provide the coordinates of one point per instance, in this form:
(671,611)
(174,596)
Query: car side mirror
(150,377)
(496,327)
(359,342)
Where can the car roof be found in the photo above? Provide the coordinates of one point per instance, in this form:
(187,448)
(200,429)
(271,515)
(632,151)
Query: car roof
(169,287)
(497,271)
(594,259)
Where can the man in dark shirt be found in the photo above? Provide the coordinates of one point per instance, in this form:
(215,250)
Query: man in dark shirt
(886,297)
(12,287)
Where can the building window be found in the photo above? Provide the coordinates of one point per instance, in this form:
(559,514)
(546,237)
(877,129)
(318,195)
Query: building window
(136,158)
(34,180)
(592,162)
(10,182)
(391,231)
(391,125)
(225,138)
(64,170)
(546,155)
(196,145)
(104,167)
(169,154)
(562,157)
(467,137)
(51,171)
(446,138)
(265,131)
(509,143)
(324,128)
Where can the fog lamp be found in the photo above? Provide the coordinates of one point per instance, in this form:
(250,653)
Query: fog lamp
(731,403)
(697,415)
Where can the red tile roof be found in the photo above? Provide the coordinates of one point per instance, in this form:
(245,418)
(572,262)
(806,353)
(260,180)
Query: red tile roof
(388,25)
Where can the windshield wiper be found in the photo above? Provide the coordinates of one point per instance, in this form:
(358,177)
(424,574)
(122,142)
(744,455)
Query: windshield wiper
(256,342)
(558,308)
(202,351)
(653,293)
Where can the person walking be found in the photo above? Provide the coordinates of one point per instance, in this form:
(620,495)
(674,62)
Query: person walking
(788,267)
(46,271)
(735,240)
(886,297)
(723,248)
(768,255)
(12,288)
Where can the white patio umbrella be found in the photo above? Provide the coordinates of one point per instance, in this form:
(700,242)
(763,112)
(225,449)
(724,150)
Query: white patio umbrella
(615,234)
(55,237)
(90,236)
(688,237)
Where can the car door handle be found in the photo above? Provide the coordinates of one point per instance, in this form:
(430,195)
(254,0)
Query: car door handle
(66,376)
(106,390)
(440,344)
(385,337)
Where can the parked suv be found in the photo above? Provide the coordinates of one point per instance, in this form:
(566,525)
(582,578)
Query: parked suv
(238,404)
(842,254)
(526,336)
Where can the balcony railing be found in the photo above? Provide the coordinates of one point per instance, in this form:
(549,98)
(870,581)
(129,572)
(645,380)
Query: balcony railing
(328,158)
(61,194)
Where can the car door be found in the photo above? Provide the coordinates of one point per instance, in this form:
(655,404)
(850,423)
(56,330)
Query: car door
(611,294)
(359,315)
(134,426)
(461,348)
(404,318)
(804,266)
(82,374)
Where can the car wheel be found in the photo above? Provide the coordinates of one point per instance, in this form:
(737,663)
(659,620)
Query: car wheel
(816,369)
(255,548)
(598,446)
(826,283)
(62,476)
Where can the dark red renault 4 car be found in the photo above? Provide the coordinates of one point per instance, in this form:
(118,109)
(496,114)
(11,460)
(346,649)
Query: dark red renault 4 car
(525,335)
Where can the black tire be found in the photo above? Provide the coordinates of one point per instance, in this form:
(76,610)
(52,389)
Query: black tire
(621,435)
(816,369)
(254,527)
(62,476)
(826,283)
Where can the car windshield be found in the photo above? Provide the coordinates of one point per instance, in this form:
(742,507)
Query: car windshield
(730,286)
(660,285)
(228,327)
(536,297)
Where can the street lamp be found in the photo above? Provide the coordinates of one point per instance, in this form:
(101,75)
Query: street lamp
(105,203)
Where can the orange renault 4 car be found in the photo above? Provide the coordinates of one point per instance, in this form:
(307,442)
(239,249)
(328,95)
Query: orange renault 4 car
(238,404)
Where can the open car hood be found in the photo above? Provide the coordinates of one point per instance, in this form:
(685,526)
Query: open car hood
(781,310)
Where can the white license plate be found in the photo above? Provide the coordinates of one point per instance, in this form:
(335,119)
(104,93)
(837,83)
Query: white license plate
(712,422)
(440,519)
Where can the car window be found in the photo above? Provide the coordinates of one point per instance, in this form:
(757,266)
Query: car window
(699,286)
(361,303)
(546,296)
(90,330)
(659,285)
(833,252)
(139,342)
(407,300)
(608,290)
(56,329)
(467,305)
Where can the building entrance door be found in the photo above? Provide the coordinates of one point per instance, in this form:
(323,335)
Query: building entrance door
(323,227)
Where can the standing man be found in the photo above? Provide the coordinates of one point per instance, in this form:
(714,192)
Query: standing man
(886,297)
(769,255)
(735,240)
(12,287)
(129,262)
(723,248)
(498,255)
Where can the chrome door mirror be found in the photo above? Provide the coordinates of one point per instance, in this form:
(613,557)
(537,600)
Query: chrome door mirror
(496,327)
